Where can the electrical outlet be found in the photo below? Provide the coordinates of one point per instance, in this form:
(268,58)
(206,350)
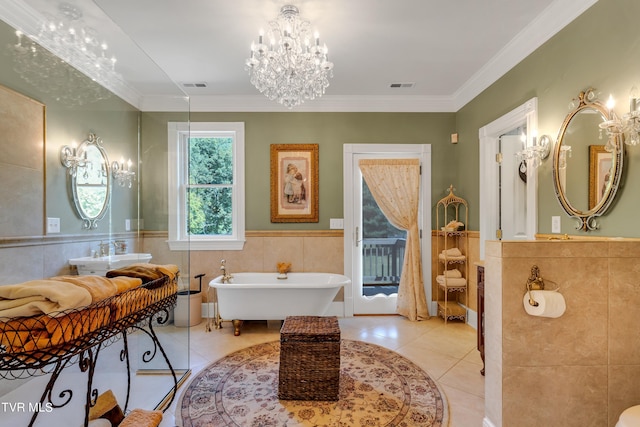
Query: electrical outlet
(336,223)
(53,225)
(133,224)
(555,224)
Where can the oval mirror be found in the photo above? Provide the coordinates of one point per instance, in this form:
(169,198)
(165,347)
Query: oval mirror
(587,162)
(91,183)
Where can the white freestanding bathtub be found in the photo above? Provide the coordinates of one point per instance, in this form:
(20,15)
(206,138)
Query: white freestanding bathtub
(264,296)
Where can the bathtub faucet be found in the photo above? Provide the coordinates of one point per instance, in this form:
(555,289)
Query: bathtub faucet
(225,276)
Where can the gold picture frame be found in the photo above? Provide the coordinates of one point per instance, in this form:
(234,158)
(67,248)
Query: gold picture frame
(600,161)
(294,182)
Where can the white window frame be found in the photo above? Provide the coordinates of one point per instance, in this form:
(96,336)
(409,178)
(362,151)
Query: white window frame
(178,136)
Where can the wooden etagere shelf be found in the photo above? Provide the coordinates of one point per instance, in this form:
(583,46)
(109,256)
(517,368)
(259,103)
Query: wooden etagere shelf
(452,243)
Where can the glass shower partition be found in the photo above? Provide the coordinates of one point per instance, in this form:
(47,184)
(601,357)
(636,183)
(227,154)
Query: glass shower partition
(142,366)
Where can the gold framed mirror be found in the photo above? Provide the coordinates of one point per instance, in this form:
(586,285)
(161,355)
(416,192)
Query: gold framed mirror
(587,163)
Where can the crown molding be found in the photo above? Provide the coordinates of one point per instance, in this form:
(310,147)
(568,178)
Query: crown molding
(165,103)
(328,103)
(20,16)
(553,19)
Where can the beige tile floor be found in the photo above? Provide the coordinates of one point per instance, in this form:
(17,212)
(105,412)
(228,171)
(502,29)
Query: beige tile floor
(447,352)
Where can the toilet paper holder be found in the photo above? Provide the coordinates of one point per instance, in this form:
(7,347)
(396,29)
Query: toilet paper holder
(535,282)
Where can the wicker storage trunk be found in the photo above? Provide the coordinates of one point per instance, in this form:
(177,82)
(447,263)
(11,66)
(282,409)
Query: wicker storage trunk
(309,358)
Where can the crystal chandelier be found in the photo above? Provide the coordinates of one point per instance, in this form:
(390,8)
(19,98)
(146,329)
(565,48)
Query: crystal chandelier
(73,43)
(51,75)
(67,32)
(285,64)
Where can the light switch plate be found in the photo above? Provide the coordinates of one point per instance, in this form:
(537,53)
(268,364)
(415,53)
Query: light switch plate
(336,223)
(555,224)
(133,224)
(53,225)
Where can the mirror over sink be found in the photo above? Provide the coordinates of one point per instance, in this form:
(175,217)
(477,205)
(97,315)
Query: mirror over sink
(90,185)
(587,161)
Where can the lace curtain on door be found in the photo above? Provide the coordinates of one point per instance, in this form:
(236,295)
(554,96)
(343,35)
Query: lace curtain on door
(395,186)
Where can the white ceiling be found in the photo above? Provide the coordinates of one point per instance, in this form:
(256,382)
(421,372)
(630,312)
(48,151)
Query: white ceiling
(451,50)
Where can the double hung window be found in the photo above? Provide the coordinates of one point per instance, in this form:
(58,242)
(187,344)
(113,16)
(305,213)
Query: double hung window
(206,186)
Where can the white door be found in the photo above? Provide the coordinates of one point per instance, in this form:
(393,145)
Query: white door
(374,249)
(513,190)
(526,117)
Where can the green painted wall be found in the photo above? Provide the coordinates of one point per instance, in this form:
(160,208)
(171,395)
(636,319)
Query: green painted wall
(600,49)
(118,128)
(329,130)
(69,120)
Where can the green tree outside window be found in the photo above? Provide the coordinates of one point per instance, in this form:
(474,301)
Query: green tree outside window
(209,193)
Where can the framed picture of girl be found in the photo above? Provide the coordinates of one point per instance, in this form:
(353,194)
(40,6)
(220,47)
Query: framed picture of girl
(294,182)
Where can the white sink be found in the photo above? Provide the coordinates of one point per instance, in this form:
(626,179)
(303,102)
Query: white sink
(100,265)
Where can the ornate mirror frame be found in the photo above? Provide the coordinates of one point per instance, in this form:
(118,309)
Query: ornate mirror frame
(90,180)
(587,218)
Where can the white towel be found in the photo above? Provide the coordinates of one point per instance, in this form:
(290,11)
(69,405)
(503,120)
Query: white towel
(452,252)
(451,282)
(453,273)
(451,257)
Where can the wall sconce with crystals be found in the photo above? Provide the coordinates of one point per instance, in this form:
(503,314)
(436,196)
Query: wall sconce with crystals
(628,125)
(122,173)
(290,68)
(534,154)
(73,158)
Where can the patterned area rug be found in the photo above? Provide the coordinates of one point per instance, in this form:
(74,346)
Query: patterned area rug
(378,387)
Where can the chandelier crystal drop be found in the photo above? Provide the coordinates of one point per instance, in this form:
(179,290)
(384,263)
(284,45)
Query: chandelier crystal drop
(286,64)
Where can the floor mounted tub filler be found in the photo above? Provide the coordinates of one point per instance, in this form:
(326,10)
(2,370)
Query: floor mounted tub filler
(270,296)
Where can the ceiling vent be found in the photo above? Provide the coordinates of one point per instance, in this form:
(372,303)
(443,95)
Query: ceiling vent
(401,85)
(198,85)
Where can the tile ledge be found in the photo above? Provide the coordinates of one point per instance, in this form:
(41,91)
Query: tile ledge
(581,238)
(294,233)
